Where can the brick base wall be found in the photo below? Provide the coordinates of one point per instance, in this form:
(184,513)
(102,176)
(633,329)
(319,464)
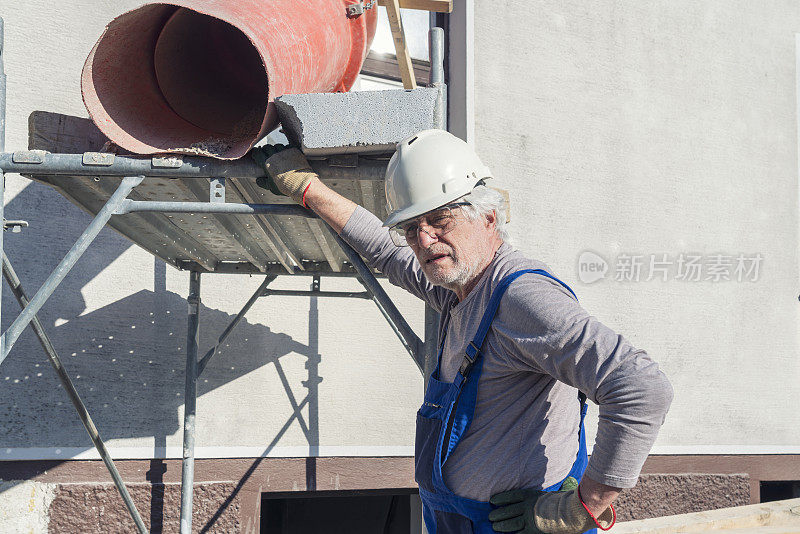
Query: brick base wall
(671,494)
(99,508)
(227,494)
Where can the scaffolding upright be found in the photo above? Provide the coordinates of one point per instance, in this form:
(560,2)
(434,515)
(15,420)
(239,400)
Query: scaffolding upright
(257,234)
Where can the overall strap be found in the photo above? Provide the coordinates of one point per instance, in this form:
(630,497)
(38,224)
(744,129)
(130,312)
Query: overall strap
(474,347)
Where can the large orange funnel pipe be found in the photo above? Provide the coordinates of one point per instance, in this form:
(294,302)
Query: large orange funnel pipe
(199,76)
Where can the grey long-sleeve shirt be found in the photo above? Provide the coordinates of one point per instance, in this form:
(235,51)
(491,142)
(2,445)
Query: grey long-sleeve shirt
(541,346)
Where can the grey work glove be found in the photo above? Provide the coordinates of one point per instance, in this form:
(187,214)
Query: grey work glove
(288,171)
(528,511)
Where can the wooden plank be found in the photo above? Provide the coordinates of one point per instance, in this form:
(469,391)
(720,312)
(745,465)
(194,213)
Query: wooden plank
(439,6)
(63,134)
(398,35)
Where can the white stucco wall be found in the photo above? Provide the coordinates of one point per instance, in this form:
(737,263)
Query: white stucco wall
(647,128)
(25,506)
(620,128)
(119,319)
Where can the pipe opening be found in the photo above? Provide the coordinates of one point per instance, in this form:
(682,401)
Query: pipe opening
(196,76)
(210,74)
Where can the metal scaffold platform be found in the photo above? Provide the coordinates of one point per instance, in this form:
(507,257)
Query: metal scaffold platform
(208,226)
(200,215)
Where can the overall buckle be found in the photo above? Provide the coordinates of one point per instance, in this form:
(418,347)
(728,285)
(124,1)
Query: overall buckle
(469,361)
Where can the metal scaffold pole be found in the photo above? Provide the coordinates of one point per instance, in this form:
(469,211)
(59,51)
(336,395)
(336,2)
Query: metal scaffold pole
(190,403)
(2,173)
(40,162)
(436,80)
(436,50)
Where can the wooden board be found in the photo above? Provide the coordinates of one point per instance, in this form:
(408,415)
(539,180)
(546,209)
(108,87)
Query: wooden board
(439,6)
(398,35)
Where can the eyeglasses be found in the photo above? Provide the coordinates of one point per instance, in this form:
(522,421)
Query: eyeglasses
(435,223)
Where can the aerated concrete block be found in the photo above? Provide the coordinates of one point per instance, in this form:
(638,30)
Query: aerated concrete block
(362,122)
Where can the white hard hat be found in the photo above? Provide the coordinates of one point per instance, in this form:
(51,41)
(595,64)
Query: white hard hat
(429,170)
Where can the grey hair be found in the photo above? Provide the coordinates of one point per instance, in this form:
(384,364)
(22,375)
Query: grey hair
(484,200)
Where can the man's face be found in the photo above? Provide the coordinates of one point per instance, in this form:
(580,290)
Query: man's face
(457,257)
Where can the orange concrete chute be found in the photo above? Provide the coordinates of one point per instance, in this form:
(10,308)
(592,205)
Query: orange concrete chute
(200,76)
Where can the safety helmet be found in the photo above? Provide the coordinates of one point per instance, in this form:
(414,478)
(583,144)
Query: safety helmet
(428,170)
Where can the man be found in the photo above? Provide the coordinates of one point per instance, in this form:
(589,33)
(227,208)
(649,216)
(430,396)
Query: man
(500,443)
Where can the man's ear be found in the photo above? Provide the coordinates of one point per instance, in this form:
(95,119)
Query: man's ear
(491,219)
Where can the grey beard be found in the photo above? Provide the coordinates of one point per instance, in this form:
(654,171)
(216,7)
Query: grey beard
(457,278)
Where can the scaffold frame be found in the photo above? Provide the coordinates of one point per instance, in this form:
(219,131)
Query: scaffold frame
(109,181)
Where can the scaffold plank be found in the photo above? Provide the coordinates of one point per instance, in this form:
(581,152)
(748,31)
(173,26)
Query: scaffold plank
(210,242)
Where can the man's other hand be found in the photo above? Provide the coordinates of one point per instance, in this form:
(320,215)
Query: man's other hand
(528,511)
(288,171)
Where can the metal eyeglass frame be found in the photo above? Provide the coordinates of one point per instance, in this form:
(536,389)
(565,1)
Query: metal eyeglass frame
(398,234)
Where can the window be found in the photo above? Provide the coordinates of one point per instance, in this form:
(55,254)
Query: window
(391,511)
(778,490)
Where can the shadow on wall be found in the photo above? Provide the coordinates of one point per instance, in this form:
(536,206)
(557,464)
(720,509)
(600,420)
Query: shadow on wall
(127,358)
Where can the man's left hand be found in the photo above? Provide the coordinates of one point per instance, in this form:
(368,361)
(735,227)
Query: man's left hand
(528,511)
(288,171)
(516,512)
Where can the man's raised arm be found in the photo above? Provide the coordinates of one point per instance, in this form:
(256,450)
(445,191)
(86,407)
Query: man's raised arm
(292,176)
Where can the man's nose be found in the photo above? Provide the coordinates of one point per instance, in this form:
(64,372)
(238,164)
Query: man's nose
(425,237)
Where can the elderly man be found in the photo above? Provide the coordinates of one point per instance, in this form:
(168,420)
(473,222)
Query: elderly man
(500,444)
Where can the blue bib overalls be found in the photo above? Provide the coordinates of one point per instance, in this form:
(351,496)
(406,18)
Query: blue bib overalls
(443,419)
